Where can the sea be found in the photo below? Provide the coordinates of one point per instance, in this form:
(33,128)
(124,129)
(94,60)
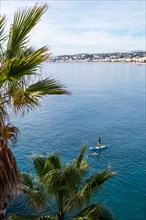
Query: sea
(106,100)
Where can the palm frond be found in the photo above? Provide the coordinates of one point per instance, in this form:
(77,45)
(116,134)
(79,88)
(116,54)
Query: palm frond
(27,180)
(23,101)
(19,66)
(39,164)
(53,181)
(72,176)
(47,86)
(79,162)
(44,165)
(24,22)
(53,162)
(66,180)
(31,217)
(95,212)
(92,184)
(28,98)
(2,28)
(98,179)
(34,191)
(3,38)
(9,132)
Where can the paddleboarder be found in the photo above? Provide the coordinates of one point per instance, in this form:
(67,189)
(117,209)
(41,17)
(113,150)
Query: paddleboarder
(99,142)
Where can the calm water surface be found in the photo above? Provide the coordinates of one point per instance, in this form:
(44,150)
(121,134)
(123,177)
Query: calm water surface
(107,100)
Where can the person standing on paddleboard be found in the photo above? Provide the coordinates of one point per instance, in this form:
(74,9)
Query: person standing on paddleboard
(99,142)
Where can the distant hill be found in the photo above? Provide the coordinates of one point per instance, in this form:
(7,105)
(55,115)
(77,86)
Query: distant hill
(135,56)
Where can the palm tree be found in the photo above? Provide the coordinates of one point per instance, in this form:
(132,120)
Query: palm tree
(67,185)
(21,86)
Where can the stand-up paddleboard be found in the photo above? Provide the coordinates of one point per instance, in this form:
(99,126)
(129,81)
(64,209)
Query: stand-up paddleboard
(98,147)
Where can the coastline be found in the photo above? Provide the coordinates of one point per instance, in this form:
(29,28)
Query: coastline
(138,57)
(79,61)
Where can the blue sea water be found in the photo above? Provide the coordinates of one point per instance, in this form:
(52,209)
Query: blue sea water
(107,100)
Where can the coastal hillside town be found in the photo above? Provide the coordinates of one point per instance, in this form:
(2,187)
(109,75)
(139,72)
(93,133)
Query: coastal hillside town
(134,57)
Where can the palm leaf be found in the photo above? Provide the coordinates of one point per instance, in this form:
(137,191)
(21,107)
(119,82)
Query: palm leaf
(53,162)
(23,101)
(79,162)
(9,132)
(44,165)
(47,86)
(99,178)
(2,33)
(28,98)
(93,183)
(64,182)
(95,212)
(31,217)
(34,191)
(39,164)
(19,66)
(24,22)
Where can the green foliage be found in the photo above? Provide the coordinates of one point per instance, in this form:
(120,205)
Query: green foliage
(9,132)
(24,21)
(79,162)
(21,85)
(64,187)
(95,212)
(34,190)
(31,217)
(2,30)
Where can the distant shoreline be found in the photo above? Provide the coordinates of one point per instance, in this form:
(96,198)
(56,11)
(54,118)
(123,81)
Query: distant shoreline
(124,62)
(138,57)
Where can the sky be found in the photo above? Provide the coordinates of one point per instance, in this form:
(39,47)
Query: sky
(82,26)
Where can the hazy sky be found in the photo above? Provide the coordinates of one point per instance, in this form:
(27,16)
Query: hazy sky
(83,26)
